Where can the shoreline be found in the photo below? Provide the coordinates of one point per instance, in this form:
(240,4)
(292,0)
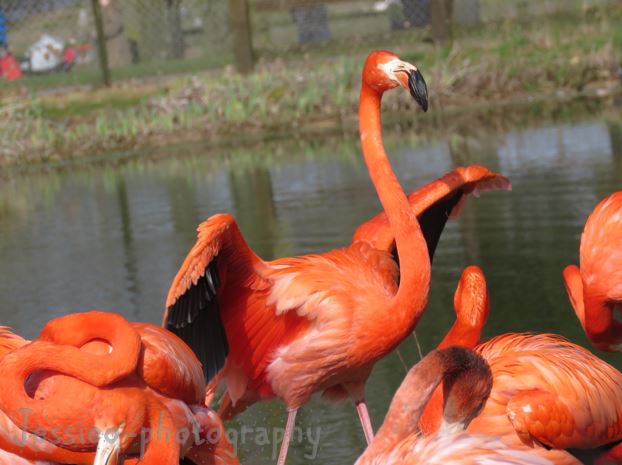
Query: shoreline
(496,117)
(548,61)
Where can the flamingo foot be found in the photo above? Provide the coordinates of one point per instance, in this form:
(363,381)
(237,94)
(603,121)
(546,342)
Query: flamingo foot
(108,448)
(289,429)
(361,409)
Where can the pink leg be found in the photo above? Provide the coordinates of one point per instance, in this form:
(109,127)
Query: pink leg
(289,429)
(361,408)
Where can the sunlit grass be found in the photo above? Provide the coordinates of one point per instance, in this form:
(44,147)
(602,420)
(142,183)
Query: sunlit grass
(490,63)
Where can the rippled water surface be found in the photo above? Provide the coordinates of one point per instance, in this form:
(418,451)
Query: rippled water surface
(113,237)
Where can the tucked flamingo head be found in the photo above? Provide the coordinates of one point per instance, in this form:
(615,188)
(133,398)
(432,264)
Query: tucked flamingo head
(384,70)
(467,383)
(595,289)
(215,446)
(471,300)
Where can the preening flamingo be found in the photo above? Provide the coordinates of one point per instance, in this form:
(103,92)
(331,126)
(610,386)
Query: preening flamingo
(167,379)
(467,382)
(546,390)
(595,290)
(295,326)
(9,342)
(6,458)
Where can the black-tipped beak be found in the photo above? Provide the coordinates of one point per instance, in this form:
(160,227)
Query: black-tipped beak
(418,88)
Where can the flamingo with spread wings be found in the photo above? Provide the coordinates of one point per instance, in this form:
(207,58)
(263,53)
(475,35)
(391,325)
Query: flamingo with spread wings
(317,323)
(595,289)
(295,326)
(546,391)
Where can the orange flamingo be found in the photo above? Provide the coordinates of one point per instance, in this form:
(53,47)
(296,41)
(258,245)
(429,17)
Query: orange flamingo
(595,290)
(295,326)
(9,342)
(6,458)
(167,367)
(467,382)
(546,390)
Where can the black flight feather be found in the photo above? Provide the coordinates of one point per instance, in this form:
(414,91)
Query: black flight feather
(195,318)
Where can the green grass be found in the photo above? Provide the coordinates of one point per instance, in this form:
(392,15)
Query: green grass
(490,63)
(91,75)
(83,108)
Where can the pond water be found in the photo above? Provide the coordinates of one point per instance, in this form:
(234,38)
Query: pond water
(112,238)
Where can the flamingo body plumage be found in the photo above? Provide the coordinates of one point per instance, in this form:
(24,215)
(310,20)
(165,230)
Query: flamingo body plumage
(281,322)
(552,392)
(459,449)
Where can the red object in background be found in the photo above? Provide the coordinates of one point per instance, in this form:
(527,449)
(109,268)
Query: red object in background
(9,68)
(69,55)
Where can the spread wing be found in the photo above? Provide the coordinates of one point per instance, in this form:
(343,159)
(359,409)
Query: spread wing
(434,203)
(221,262)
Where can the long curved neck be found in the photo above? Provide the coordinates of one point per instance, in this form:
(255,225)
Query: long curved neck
(73,331)
(410,243)
(24,410)
(58,349)
(407,405)
(470,320)
(461,334)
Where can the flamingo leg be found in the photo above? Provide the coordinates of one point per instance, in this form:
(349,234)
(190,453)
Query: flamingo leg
(289,429)
(361,409)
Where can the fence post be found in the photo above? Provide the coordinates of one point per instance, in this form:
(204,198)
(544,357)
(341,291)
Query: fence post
(242,35)
(440,20)
(102,51)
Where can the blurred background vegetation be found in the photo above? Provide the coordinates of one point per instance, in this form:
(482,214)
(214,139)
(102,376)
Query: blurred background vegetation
(173,64)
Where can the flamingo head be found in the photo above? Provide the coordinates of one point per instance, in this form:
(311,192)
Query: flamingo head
(384,70)
(602,323)
(212,432)
(598,315)
(466,386)
(471,300)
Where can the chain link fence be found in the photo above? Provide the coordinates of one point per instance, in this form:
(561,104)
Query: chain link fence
(57,39)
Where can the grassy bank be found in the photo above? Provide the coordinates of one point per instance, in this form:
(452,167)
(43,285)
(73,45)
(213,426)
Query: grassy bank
(558,57)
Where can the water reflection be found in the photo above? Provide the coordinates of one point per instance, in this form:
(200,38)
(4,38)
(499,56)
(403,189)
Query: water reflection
(112,238)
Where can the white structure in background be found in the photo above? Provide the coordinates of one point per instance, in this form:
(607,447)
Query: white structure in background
(45,54)
(384,5)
